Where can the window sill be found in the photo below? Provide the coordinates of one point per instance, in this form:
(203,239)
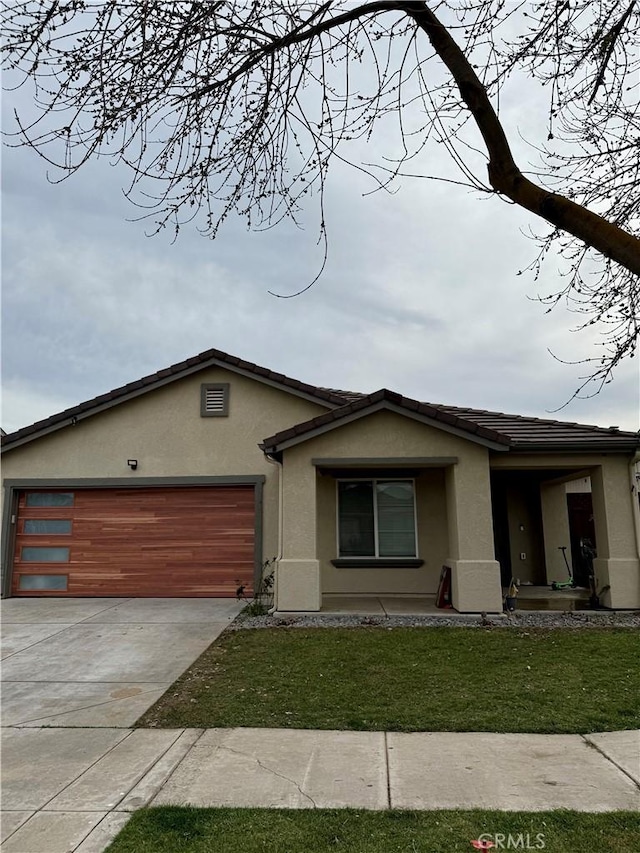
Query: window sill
(377,563)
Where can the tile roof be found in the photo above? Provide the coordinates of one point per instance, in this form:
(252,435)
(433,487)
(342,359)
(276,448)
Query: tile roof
(327,396)
(510,431)
(528,431)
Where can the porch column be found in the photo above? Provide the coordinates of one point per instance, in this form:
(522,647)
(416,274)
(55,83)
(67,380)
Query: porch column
(555,526)
(475,573)
(617,565)
(298,572)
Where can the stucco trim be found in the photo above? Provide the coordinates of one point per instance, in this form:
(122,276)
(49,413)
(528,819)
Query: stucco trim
(133,481)
(569,477)
(386,462)
(377,562)
(12,487)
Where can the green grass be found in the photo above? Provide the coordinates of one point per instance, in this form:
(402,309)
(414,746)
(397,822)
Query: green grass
(176,829)
(411,679)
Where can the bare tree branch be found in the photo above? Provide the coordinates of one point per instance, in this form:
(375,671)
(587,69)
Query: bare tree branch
(221,108)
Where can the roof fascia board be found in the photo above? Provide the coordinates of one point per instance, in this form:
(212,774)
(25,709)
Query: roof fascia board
(586,446)
(392,407)
(74,420)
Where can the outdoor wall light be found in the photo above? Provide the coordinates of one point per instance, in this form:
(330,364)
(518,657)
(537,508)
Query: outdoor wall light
(132,463)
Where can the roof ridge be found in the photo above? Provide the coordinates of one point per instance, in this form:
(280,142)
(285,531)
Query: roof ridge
(147,382)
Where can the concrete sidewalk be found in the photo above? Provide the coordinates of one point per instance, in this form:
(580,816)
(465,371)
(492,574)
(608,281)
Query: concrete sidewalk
(73,789)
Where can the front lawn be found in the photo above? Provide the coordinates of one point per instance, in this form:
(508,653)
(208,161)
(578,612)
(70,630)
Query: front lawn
(174,829)
(411,679)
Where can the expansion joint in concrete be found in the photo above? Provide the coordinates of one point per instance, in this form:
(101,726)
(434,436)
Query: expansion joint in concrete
(386,768)
(127,734)
(616,764)
(166,777)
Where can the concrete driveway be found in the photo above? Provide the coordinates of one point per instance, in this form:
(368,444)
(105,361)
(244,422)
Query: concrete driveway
(99,661)
(76,674)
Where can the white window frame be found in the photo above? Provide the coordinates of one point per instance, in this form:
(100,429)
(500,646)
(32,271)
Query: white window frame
(374,481)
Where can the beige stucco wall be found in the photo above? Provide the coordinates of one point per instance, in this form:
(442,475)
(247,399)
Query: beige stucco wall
(383,435)
(555,519)
(475,573)
(555,523)
(163,430)
(617,565)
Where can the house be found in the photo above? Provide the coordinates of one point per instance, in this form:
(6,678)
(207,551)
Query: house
(184,482)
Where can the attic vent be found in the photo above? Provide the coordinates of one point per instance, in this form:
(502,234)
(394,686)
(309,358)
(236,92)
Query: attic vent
(214,400)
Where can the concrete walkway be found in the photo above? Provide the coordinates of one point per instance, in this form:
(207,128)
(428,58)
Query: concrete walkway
(73,789)
(77,673)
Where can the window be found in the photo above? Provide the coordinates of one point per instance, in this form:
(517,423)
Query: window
(43,582)
(49,499)
(56,526)
(45,555)
(376,518)
(214,400)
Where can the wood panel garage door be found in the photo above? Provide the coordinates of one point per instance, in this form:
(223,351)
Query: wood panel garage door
(191,541)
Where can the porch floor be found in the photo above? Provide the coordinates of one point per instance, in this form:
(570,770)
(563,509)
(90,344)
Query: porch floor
(544,598)
(529,598)
(380,605)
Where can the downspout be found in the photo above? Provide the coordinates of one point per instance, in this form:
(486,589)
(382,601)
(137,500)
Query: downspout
(634,477)
(278,464)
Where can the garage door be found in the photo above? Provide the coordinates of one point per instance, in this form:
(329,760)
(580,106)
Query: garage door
(193,541)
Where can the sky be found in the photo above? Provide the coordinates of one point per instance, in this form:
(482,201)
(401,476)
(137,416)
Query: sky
(421,293)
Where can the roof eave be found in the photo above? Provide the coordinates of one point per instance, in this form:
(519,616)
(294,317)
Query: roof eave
(76,414)
(586,446)
(356,412)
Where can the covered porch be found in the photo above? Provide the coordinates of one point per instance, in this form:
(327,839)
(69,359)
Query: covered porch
(377,499)
(559,518)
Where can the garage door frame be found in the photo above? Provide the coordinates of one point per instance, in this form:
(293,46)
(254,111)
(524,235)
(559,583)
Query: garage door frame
(13,488)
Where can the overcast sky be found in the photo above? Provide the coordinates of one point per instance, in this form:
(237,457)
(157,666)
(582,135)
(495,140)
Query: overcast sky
(420,295)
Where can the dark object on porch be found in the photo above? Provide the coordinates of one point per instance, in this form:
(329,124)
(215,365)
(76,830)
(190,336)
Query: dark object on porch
(581,527)
(511,598)
(587,553)
(443,596)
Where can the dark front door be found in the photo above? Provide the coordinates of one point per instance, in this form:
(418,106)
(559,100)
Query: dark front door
(581,526)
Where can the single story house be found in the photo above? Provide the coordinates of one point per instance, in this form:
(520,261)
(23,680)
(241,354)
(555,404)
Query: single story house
(185,482)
